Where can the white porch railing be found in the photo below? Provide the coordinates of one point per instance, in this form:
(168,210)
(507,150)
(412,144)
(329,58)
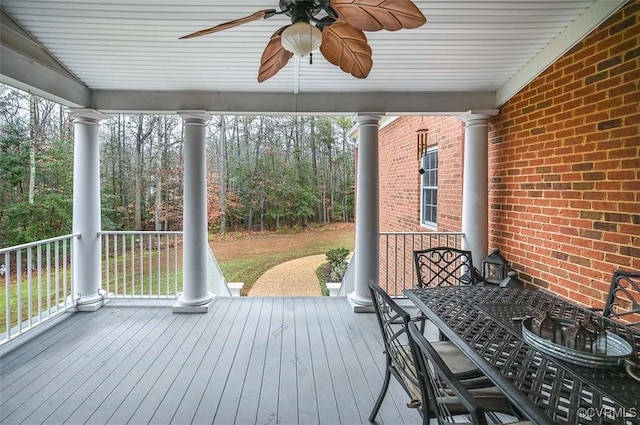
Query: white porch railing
(397,268)
(141,264)
(149,265)
(37,284)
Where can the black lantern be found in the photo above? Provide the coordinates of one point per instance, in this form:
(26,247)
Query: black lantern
(580,338)
(495,268)
(600,332)
(547,327)
(511,281)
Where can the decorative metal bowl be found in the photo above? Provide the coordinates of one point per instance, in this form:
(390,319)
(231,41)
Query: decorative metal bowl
(618,350)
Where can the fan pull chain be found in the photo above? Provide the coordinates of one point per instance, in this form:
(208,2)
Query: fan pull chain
(311,58)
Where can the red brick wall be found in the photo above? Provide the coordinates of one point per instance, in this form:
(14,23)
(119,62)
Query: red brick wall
(564,168)
(564,161)
(400,180)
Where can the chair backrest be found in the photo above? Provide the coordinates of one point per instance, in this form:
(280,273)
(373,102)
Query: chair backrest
(393,321)
(623,301)
(445,266)
(445,392)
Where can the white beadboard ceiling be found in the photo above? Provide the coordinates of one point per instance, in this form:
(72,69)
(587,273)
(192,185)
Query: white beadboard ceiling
(127,45)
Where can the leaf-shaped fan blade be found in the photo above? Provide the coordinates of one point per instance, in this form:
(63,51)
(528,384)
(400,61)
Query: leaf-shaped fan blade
(266,13)
(375,15)
(274,57)
(347,47)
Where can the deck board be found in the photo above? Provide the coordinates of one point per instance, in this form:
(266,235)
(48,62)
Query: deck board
(257,361)
(99,406)
(90,384)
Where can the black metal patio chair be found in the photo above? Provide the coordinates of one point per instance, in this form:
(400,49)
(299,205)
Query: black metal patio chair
(623,300)
(393,322)
(450,400)
(445,266)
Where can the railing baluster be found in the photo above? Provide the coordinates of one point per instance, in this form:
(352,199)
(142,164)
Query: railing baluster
(175,267)
(141,265)
(132,242)
(49,279)
(149,244)
(124,265)
(19,288)
(166,259)
(158,252)
(64,272)
(57,274)
(116,275)
(7,292)
(29,283)
(39,260)
(107,273)
(386,268)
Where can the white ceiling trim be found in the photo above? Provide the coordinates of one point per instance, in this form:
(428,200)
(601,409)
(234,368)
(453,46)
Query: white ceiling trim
(321,103)
(589,20)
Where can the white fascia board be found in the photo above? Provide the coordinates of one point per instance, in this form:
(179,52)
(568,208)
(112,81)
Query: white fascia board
(582,26)
(26,74)
(326,103)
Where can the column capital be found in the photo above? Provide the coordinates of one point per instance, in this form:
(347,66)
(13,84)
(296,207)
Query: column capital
(195,117)
(90,116)
(368,119)
(477,117)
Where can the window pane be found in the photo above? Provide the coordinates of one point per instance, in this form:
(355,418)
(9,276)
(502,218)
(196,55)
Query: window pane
(429,181)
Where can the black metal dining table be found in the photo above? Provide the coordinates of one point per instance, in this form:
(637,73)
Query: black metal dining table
(545,389)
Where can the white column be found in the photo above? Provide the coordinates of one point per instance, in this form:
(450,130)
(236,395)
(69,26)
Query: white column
(475,191)
(87,266)
(195,298)
(367,243)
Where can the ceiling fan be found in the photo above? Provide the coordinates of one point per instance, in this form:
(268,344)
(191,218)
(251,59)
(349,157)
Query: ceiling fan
(336,26)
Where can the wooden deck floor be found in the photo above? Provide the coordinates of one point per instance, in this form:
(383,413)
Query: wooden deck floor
(249,361)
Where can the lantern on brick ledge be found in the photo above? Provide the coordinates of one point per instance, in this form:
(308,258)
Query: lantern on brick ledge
(495,268)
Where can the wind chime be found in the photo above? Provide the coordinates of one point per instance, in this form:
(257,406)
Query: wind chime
(422,135)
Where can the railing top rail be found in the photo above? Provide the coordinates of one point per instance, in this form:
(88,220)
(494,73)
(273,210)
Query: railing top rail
(36,243)
(146,232)
(421,233)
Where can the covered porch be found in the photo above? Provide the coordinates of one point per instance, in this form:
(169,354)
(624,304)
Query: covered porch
(244,360)
(105,58)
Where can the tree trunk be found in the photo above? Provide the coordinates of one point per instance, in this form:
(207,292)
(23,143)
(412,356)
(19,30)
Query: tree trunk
(158,190)
(222,190)
(33,115)
(137,208)
(262,214)
(141,137)
(314,166)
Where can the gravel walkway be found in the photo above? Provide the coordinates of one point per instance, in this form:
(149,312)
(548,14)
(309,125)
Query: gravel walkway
(290,279)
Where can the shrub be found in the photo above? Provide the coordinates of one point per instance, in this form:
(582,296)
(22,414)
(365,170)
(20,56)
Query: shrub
(321,272)
(337,259)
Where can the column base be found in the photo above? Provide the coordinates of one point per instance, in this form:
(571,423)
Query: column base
(198,306)
(360,305)
(90,303)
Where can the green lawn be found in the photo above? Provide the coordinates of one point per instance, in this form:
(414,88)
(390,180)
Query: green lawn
(246,258)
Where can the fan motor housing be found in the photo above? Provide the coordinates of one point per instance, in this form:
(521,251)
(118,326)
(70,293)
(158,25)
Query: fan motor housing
(303,10)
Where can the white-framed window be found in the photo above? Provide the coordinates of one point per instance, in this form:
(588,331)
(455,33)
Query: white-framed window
(429,183)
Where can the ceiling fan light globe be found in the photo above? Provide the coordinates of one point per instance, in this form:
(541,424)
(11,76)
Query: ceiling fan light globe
(301,38)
